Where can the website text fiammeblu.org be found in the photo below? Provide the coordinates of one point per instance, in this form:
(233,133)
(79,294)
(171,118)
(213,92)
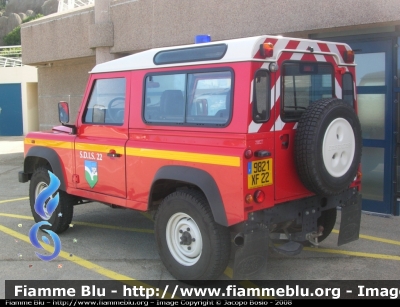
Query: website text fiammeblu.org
(294,291)
(288,291)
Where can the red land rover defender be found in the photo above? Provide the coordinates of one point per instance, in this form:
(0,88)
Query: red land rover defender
(255,139)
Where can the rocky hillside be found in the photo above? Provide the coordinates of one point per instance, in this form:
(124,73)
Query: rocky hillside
(17,10)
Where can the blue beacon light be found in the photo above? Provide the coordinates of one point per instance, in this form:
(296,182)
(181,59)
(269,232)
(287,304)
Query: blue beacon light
(202,38)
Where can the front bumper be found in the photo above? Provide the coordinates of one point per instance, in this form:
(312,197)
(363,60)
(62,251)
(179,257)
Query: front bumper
(23,177)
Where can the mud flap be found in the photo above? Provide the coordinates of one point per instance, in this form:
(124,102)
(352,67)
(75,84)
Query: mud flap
(251,258)
(350,221)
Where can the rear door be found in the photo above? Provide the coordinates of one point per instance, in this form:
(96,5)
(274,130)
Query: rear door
(301,80)
(102,135)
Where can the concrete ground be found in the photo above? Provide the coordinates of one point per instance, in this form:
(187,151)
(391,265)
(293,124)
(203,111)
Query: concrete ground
(117,244)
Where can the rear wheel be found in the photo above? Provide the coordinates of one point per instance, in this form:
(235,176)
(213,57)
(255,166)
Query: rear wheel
(61,217)
(191,245)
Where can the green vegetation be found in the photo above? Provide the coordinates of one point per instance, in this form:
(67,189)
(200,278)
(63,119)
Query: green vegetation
(14,37)
(11,52)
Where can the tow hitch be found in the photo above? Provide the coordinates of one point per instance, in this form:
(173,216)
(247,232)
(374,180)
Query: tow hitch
(312,237)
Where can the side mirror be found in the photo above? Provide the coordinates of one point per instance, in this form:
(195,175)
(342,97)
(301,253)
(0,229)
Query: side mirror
(152,84)
(63,112)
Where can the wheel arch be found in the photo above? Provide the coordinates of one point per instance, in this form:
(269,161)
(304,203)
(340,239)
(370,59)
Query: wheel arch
(39,156)
(184,176)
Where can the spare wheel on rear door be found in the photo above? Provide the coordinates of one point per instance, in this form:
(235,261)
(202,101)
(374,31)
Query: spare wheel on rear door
(328,146)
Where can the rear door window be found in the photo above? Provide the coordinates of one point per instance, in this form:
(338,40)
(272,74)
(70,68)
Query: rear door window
(302,84)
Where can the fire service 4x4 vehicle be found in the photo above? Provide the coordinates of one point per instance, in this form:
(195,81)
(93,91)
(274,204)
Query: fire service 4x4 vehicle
(254,139)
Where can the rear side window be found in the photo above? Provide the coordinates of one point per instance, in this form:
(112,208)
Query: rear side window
(302,84)
(261,97)
(107,102)
(348,89)
(197,98)
(199,53)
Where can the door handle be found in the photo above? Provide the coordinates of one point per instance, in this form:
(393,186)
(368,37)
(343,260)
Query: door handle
(285,141)
(112,153)
(0,110)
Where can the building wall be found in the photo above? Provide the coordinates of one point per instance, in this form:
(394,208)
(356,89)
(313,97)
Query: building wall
(153,23)
(144,24)
(61,81)
(27,76)
(57,37)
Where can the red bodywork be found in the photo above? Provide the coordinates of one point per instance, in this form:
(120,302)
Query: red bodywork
(127,180)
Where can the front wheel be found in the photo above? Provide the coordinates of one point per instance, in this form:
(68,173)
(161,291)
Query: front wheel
(191,244)
(61,217)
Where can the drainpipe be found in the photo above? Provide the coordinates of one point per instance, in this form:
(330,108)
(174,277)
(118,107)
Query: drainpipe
(101,33)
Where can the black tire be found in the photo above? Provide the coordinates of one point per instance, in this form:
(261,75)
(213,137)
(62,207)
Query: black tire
(328,146)
(205,257)
(62,216)
(327,220)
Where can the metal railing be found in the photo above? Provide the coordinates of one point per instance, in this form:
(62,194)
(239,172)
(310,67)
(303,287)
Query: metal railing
(11,56)
(66,5)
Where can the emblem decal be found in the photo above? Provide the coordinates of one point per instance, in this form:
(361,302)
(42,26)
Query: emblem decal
(91,173)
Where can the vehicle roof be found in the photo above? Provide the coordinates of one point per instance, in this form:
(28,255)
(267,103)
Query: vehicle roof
(238,50)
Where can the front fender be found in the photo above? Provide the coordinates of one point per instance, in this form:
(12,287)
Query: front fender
(48,154)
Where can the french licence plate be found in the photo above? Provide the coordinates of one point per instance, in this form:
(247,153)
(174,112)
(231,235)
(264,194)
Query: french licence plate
(259,173)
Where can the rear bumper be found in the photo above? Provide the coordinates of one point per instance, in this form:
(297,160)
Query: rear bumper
(298,219)
(305,213)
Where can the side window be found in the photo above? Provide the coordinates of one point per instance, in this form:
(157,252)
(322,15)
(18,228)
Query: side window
(348,88)
(261,94)
(165,98)
(198,98)
(107,102)
(209,98)
(302,84)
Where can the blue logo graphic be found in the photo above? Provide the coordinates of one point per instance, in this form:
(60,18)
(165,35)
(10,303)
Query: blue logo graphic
(91,173)
(45,211)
